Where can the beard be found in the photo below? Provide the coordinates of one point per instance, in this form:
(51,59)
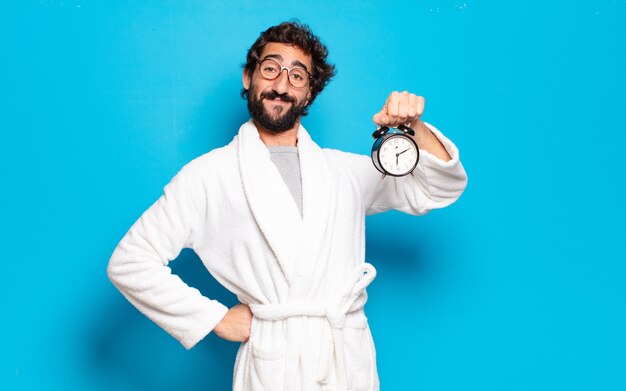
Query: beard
(282,119)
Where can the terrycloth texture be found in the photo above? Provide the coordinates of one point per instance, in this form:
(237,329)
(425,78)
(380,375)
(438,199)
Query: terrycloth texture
(332,356)
(304,278)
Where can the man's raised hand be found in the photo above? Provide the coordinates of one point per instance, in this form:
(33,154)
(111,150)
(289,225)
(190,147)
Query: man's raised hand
(400,108)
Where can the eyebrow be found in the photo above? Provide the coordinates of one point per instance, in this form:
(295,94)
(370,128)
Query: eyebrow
(280,58)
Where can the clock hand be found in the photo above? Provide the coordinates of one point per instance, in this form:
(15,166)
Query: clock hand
(398,154)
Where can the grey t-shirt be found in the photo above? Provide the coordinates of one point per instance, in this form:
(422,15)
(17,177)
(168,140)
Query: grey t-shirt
(286,160)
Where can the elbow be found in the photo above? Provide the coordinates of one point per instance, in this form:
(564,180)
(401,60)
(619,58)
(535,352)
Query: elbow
(112,270)
(453,193)
(115,269)
(441,195)
(452,187)
(462,183)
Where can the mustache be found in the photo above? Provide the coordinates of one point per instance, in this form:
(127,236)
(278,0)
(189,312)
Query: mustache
(273,95)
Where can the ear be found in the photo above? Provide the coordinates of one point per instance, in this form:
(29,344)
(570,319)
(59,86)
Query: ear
(245,79)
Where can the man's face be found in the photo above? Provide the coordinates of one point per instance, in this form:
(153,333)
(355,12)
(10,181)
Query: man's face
(275,104)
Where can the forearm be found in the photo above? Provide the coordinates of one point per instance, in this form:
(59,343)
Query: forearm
(138,267)
(427,141)
(163,297)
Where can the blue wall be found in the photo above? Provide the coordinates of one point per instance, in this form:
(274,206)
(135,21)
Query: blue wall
(518,286)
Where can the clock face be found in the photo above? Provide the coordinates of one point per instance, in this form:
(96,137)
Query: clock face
(398,155)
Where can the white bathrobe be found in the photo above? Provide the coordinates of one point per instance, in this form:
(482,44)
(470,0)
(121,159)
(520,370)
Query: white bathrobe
(303,276)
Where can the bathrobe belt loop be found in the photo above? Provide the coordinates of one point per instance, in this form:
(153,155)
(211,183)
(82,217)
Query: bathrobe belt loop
(332,353)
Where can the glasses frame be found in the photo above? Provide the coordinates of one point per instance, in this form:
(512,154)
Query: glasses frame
(308,80)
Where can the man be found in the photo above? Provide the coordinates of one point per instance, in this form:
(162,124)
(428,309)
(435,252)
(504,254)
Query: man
(280,222)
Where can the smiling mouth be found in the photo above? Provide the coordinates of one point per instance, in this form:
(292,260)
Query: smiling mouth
(276,100)
(277,105)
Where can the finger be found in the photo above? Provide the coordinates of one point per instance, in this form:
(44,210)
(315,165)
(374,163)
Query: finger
(381,117)
(403,107)
(413,112)
(420,103)
(393,107)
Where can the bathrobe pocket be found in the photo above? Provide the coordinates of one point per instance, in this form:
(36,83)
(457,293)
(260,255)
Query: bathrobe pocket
(360,358)
(266,368)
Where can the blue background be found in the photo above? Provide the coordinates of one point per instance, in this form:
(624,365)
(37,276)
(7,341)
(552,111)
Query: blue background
(520,285)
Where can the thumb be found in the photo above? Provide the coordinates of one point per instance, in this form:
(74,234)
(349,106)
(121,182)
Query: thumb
(381,118)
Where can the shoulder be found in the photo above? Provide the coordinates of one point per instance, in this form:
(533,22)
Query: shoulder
(350,168)
(338,154)
(214,161)
(346,159)
(208,170)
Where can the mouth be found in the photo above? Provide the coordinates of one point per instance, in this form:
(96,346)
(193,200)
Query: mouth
(277,101)
(274,97)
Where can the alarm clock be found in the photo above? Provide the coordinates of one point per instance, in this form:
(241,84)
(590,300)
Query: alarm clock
(395,152)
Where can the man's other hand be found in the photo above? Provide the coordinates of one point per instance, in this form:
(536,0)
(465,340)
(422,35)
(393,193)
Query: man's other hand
(236,324)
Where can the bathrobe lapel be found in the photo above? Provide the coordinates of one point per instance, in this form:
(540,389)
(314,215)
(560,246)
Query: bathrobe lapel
(316,194)
(270,201)
(296,241)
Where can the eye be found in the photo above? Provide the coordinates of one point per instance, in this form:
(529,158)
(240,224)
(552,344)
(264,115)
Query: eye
(297,74)
(269,68)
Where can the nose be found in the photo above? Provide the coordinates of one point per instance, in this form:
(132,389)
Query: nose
(281,83)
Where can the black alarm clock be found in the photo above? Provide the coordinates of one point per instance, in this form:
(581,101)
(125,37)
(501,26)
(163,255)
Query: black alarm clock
(395,152)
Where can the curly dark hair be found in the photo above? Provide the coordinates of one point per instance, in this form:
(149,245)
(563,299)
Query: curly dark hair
(296,34)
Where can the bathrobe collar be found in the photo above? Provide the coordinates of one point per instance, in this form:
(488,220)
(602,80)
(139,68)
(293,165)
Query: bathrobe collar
(293,239)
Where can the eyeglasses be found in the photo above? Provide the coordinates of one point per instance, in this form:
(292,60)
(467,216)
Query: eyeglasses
(298,76)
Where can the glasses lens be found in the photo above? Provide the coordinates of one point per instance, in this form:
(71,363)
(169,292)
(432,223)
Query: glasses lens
(298,77)
(269,69)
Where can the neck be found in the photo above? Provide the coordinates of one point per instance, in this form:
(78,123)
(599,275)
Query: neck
(272,139)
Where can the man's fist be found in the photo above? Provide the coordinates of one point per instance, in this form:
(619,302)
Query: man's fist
(236,324)
(400,108)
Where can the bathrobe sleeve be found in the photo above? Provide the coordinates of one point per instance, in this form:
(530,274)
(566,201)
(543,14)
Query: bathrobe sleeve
(433,184)
(138,266)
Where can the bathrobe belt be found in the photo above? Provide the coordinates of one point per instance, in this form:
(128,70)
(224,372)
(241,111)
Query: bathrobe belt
(332,343)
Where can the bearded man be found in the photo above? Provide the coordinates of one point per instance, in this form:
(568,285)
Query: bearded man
(280,222)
